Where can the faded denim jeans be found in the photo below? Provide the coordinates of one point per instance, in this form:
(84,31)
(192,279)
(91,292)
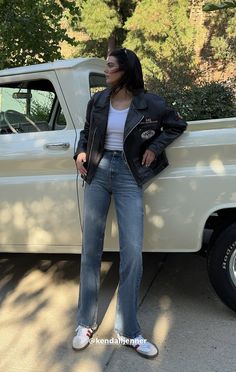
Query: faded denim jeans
(112,177)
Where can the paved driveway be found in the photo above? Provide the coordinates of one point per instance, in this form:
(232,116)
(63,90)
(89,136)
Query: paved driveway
(178,310)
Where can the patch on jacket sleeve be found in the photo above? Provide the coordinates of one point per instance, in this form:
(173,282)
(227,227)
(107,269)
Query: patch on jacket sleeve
(148,134)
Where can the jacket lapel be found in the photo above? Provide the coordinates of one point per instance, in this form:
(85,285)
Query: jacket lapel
(135,113)
(101,110)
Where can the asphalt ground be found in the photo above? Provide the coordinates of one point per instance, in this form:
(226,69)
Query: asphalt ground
(178,310)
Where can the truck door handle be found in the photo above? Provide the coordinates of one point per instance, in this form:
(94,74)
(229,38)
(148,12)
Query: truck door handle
(57,146)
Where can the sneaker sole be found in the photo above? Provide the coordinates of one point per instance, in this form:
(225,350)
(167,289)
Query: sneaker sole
(82,348)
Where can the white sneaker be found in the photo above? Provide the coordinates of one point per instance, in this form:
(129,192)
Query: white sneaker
(143,347)
(81,340)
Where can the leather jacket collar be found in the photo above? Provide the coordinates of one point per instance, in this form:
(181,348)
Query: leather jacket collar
(138,101)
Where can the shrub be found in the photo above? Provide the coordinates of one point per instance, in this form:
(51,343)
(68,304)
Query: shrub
(200,101)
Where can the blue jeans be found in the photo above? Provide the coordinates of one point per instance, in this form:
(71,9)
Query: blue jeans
(112,177)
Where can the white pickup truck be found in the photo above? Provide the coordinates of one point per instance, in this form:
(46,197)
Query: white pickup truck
(42,112)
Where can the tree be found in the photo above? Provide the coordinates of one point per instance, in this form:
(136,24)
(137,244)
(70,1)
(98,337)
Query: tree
(220,46)
(101,25)
(177,42)
(162,35)
(30,31)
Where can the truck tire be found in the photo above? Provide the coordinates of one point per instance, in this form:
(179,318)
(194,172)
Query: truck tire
(221,263)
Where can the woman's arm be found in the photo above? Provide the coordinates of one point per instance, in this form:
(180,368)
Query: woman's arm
(173,126)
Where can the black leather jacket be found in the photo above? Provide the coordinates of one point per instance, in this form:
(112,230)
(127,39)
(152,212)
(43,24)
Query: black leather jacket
(150,124)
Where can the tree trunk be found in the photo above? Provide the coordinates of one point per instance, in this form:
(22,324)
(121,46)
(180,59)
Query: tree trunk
(111,43)
(197,18)
(197,15)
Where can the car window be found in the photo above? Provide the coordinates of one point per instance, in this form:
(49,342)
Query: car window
(29,106)
(60,121)
(97,82)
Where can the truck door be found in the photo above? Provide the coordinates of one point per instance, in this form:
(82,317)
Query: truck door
(38,199)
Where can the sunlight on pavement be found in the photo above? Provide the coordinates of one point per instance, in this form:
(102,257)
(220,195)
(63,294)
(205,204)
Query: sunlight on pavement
(38,319)
(34,322)
(164,321)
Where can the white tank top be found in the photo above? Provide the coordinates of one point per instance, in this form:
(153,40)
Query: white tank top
(115,129)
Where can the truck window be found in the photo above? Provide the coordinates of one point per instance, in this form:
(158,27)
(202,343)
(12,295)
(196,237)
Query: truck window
(29,106)
(97,82)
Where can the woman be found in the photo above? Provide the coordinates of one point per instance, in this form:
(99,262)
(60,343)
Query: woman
(121,147)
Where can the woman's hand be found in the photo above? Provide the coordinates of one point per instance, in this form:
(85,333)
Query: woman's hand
(81,159)
(148,158)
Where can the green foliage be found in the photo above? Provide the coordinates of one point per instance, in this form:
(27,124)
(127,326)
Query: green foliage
(41,111)
(31,31)
(209,7)
(170,44)
(199,101)
(164,38)
(101,20)
(221,45)
(210,101)
(102,26)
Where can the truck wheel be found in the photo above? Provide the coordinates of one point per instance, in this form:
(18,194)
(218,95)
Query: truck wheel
(221,262)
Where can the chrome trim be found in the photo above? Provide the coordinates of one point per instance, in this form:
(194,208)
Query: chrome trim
(58,146)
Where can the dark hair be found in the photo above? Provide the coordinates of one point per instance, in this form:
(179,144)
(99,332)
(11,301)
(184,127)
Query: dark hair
(133,75)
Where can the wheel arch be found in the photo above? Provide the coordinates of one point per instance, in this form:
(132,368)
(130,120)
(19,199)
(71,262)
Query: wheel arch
(218,220)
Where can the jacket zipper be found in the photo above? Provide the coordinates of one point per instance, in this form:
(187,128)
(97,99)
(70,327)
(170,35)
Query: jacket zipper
(125,139)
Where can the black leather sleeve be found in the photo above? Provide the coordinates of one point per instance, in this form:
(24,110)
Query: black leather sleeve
(172,127)
(83,140)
